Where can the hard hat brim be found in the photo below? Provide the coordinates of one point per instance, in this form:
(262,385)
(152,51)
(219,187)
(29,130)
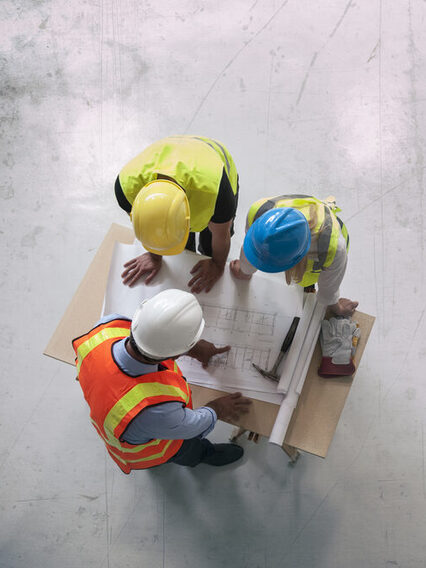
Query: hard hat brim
(172,250)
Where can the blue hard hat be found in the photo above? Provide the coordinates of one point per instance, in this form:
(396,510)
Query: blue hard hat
(277,240)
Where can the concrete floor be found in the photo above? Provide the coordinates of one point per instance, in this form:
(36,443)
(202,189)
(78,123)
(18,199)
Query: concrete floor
(316,97)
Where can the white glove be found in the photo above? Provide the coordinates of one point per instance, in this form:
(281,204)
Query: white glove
(338,339)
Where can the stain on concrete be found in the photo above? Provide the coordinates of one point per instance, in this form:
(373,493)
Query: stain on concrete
(43,24)
(30,239)
(410,394)
(7,191)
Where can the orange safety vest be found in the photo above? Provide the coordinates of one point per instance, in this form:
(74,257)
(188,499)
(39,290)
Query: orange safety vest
(115,398)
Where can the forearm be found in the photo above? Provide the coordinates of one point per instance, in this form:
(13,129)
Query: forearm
(197,422)
(170,421)
(220,248)
(245,265)
(330,279)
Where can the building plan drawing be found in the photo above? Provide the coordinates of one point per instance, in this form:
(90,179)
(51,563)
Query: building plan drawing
(252,317)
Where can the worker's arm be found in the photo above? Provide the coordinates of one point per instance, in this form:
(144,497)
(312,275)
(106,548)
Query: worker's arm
(170,421)
(207,272)
(174,421)
(241,268)
(228,407)
(329,283)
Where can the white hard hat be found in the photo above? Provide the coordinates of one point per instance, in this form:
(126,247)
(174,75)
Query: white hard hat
(168,324)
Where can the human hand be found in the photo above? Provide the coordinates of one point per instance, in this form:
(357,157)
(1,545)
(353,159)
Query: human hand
(204,350)
(206,273)
(344,307)
(236,271)
(147,264)
(231,406)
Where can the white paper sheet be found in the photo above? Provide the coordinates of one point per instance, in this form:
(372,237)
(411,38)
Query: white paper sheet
(253,317)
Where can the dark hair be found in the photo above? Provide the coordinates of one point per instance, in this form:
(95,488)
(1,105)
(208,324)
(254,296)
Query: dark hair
(134,346)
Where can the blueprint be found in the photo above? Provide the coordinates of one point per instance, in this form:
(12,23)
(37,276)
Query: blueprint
(252,317)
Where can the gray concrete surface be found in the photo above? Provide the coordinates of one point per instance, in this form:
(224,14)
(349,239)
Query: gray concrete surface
(316,97)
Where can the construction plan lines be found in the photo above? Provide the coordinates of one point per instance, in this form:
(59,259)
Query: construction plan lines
(239,320)
(252,317)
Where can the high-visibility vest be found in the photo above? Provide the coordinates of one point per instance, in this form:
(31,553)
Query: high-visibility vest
(328,228)
(115,398)
(194,162)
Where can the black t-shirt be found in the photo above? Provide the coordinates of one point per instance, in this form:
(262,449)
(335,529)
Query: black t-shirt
(226,202)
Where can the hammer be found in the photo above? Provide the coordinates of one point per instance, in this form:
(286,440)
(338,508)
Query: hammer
(272,374)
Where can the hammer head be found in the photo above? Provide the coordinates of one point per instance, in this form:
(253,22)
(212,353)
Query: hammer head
(266,374)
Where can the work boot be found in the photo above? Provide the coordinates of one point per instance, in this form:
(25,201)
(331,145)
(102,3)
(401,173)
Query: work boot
(224,454)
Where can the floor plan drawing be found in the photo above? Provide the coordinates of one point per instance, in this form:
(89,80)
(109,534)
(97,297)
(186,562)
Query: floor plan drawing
(239,320)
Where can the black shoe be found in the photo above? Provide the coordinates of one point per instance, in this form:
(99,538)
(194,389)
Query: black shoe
(224,454)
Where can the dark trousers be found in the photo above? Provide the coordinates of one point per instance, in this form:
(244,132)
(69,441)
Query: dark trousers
(204,243)
(192,452)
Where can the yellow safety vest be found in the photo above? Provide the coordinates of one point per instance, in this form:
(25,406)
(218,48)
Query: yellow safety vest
(194,162)
(328,228)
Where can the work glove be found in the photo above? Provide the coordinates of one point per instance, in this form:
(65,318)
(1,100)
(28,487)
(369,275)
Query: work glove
(339,338)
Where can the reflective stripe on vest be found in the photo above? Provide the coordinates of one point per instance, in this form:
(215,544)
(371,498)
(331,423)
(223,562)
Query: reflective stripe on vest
(328,228)
(115,398)
(102,335)
(188,160)
(133,397)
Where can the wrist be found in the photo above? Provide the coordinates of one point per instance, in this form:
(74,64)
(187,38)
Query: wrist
(220,264)
(192,352)
(335,308)
(215,407)
(212,412)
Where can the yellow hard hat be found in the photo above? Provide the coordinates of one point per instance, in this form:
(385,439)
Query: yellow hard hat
(160,216)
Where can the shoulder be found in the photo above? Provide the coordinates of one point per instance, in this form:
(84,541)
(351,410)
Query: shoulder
(111,317)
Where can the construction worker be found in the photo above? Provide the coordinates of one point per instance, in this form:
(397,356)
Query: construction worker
(301,236)
(140,403)
(179,186)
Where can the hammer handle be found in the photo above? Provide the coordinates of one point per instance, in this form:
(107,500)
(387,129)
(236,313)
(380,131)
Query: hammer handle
(286,344)
(290,335)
